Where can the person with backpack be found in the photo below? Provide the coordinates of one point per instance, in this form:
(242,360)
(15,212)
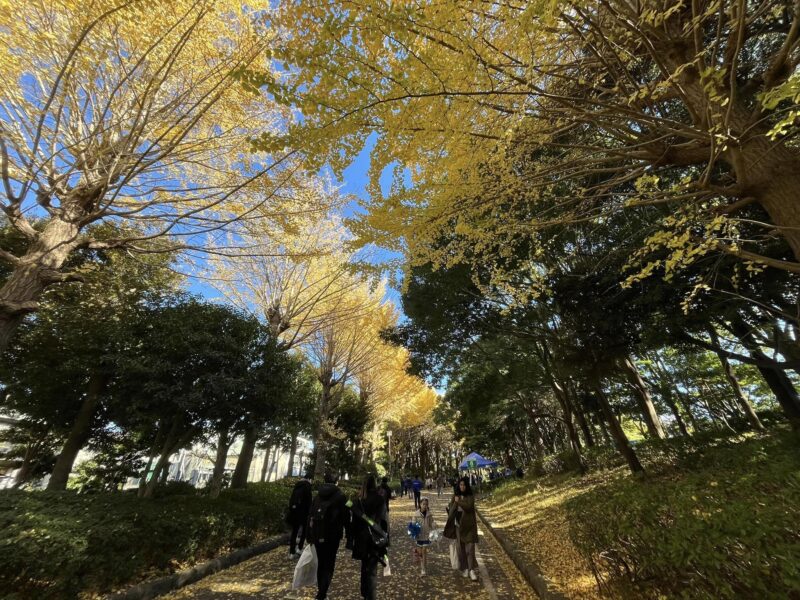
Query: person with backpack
(328,519)
(297,515)
(369,512)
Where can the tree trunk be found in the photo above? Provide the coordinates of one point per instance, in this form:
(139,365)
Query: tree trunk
(730,375)
(242,471)
(38,269)
(166,452)
(603,429)
(646,405)
(772,172)
(583,424)
(320,445)
(265,463)
(620,439)
(220,460)
(154,450)
(775,377)
(670,401)
(273,465)
(24,472)
(292,452)
(78,435)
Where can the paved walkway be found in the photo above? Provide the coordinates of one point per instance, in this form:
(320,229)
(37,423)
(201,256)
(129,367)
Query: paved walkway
(269,576)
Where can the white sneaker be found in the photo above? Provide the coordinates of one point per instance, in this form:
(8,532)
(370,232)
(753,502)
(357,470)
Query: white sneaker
(465,573)
(473,575)
(422,572)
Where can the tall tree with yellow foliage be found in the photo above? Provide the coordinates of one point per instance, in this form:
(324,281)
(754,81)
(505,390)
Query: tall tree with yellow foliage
(130,111)
(566,110)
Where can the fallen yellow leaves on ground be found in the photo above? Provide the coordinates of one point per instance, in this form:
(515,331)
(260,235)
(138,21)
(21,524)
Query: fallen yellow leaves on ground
(533,517)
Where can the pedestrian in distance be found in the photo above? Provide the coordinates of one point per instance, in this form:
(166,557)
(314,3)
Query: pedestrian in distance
(329,518)
(461,513)
(372,505)
(297,515)
(440,484)
(416,486)
(424,518)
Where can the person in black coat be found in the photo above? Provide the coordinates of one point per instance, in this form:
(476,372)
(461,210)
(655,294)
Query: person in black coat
(297,515)
(329,507)
(373,505)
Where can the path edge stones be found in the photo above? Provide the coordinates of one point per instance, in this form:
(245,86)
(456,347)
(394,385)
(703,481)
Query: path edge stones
(169,583)
(529,570)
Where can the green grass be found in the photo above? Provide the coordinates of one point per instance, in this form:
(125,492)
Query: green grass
(716,517)
(66,545)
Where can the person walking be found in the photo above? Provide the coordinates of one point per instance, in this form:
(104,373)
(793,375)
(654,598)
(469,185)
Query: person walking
(297,515)
(416,486)
(372,505)
(440,484)
(328,519)
(385,491)
(424,517)
(462,511)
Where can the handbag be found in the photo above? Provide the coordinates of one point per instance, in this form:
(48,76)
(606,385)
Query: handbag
(454,563)
(305,572)
(379,539)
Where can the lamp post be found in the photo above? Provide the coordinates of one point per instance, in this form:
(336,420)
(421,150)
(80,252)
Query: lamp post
(389,435)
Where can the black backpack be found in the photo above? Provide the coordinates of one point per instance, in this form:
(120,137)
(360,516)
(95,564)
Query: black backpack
(296,501)
(320,519)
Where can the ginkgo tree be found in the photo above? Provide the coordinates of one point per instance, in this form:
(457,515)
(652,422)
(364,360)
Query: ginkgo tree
(131,111)
(500,118)
(340,348)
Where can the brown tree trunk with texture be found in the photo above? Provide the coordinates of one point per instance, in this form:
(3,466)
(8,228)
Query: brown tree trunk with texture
(648,409)
(78,435)
(220,460)
(620,439)
(242,471)
(35,271)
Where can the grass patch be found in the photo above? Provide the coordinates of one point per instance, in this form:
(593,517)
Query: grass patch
(715,518)
(67,545)
(724,522)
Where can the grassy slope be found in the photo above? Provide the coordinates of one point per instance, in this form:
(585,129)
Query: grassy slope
(713,519)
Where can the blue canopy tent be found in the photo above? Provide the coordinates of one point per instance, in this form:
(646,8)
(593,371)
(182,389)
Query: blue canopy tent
(473,460)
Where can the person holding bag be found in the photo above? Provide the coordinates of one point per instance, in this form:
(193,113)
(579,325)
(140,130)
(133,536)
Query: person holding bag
(370,535)
(465,528)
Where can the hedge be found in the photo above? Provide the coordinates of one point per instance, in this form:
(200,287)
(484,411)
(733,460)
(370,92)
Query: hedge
(68,545)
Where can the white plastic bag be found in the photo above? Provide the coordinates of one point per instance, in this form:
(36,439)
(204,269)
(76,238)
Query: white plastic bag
(305,572)
(387,570)
(454,555)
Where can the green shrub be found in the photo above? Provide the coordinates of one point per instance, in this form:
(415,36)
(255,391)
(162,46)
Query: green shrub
(62,544)
(722,522)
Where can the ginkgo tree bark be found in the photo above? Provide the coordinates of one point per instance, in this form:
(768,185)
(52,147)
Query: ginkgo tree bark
(126,111)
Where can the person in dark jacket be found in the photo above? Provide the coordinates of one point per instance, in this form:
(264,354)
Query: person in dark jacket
(297,515)
(416,486)
(328,519)
(372,505)
(385,491)
(462,510)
